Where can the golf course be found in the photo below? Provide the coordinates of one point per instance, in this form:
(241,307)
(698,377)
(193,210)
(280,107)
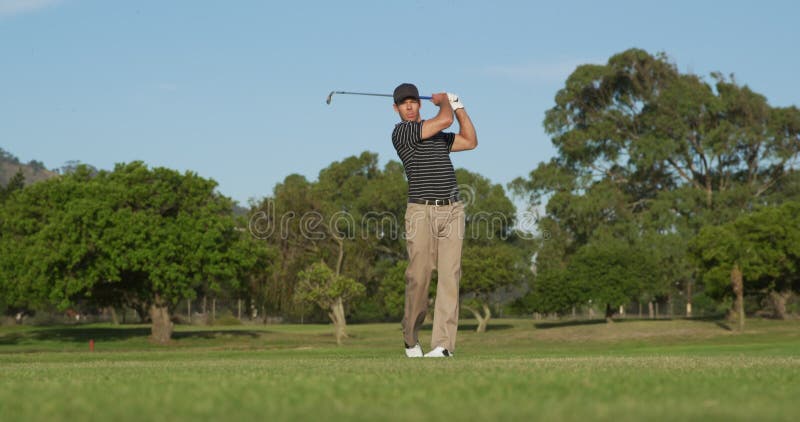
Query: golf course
(519,369)
(411,211)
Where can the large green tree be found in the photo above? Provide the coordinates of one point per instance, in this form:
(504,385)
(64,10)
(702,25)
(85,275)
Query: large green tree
(759,252)
(150,236)
(610,272)
(641,144)
(349,218)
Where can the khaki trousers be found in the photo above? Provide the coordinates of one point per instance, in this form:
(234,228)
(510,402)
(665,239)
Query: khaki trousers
(434,235)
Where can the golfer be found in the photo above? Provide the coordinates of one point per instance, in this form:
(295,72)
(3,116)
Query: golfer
(434,217)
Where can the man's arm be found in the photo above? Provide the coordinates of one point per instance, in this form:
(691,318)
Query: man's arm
(442,120)
(466,138)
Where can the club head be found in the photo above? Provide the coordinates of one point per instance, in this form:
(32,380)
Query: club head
(330,97)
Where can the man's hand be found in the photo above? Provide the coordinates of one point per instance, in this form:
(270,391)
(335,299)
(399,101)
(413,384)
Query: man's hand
(455,102)
(437,99)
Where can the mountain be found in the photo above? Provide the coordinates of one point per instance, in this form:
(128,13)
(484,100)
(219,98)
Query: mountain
(33,171)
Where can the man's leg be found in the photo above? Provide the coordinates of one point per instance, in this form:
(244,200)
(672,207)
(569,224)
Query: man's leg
(450,223)
(419,241)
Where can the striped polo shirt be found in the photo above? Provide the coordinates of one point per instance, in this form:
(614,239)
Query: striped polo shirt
(427,162)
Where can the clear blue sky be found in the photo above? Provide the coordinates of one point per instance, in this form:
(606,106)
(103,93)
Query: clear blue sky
(236,90)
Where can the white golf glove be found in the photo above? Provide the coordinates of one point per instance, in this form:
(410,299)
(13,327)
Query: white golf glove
(455,102)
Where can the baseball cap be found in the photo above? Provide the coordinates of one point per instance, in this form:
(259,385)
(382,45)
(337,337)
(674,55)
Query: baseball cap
(404,91)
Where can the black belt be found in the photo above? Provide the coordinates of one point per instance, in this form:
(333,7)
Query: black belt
(437,202)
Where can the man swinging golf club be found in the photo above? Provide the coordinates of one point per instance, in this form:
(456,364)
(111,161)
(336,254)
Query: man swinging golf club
(434,219)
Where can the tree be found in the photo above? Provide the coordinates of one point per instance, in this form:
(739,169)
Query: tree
(494,255)
(610,272)
(349,218)
(485,270)
(279,222)
(642,147)
(757,251)
(15,184)
(330,291)
(151,236)
(392,289)
(8,157)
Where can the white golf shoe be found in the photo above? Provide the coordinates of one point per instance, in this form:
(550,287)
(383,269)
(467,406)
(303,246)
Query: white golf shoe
(439,352)
(414,351)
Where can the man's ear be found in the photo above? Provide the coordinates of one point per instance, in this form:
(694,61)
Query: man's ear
(396,110)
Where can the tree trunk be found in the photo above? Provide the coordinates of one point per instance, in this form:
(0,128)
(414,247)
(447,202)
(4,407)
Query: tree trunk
(189,310)
(640,310)
(113,312)
(213,310)
(337,317)
(337,309)
(609,314)
(669,306)
(142,313)
(161,331)
(239,313)
(689,299)
(621,311)
(778,300)
(483,320)
(738,290)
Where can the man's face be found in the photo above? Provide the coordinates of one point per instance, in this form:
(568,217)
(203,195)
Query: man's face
(408,110)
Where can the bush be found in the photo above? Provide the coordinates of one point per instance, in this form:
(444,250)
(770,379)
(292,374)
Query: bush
(793,305)
(704,305)
(367,311)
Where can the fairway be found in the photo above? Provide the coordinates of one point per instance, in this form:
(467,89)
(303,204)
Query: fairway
(518,370)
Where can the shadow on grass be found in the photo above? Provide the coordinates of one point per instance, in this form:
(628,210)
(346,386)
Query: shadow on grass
(571,323)
(215,334)
(597,321)
(723,325)
(473,327)
(84,334)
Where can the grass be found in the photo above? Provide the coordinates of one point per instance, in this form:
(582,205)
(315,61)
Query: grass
(518,370)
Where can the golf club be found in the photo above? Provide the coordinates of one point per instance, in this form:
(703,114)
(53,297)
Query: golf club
(330,96)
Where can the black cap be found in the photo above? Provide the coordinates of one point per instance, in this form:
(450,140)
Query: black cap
(404,91)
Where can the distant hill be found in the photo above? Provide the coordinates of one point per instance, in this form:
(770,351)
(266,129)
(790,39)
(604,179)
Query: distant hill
(33,171)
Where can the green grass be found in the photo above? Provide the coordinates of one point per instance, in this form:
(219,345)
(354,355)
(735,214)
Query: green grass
(518,370)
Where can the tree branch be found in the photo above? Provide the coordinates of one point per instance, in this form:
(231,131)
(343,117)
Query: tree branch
(683,174)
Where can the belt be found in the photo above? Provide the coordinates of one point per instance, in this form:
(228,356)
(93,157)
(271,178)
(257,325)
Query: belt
(437,202)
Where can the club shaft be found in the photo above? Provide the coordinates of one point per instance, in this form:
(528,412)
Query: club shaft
(366,93)
(362,93)
(422,97)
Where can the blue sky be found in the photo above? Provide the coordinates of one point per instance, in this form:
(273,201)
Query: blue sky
(235,91)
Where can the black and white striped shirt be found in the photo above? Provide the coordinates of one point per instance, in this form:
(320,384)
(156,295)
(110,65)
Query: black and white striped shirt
(427,162)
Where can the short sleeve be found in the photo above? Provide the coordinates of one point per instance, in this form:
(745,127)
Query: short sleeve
(406,135)
(450,138)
